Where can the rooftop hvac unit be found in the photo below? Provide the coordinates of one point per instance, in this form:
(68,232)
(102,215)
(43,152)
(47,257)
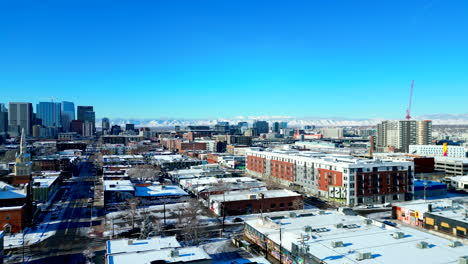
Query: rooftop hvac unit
(339,225)
(363,256)
(308,228)
(367,221)
(422,245)
(292,215)
(463,260)
(336,244)
(130,242)
(455,244)
(174,253)
(252,196)
(321,212)
(398,235)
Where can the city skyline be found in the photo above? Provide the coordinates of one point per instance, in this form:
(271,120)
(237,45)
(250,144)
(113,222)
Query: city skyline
(313,59)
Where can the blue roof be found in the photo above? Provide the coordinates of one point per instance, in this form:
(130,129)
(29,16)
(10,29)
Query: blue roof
(430,185)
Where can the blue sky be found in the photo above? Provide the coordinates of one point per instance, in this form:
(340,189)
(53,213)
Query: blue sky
(213,59)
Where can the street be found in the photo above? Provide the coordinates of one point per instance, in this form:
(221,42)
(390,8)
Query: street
(72,223)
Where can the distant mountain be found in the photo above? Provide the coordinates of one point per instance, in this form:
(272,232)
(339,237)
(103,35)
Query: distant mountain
(438,119)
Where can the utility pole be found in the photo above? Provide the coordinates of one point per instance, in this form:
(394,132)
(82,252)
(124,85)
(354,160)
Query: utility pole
(281,248)
(224,210)
(164,212)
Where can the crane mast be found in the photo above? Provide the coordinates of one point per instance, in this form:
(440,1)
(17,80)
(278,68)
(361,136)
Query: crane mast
(408,111)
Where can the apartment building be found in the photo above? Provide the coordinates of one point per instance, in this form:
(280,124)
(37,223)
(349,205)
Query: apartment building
(344,179)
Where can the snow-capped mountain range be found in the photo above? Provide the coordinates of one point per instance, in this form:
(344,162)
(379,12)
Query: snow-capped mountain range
(437,119)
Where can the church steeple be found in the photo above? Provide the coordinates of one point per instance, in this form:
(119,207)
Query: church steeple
(22,142)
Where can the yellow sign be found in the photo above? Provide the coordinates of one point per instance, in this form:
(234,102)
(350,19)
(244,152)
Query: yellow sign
(445,225)
(429,221)
(461,228)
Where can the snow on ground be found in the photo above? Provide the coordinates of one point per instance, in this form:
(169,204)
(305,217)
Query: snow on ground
(218,245)
(31,236)
(380,215)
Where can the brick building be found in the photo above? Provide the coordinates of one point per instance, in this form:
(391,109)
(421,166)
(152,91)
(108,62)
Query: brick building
(13,208)
(344,179)
(246,202)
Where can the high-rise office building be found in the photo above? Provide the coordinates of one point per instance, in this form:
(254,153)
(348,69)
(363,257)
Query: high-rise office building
(283,125)
(20,116)
(424,132)
(129,127)
(81,110)
(222,127)
(68,114)
(86,114)
(3,121)
(261,126)
(105,124)
(275,128)
(401,134)
(50,114)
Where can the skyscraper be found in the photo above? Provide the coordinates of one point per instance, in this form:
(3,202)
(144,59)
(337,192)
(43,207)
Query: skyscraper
(424,132)
(49,113)
(20,116)
(68,114)
(401,134)
(261,126)
(3,120)
(276,127)
(86,114)
(82,110)
(105,124)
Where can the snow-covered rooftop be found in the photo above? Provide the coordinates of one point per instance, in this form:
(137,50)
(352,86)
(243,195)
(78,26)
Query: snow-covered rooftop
(246,195)
(10,192)
(129,245)
(187,254)
(158,190)
(120,185)
(43,181)
(356,236)
(448,208)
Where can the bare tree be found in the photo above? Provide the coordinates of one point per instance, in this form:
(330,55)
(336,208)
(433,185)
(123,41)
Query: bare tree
(143,172)
(9,156)
(298,204)
(130,206)
(89,255)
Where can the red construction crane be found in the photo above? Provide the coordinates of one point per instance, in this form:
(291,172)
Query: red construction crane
(408,111)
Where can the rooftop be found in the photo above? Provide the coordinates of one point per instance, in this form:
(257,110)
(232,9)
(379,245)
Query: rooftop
(129,245)
(43,181)
(10,192)
(186,254)
(118,186)
(356,236)
(245,195)
(158,190)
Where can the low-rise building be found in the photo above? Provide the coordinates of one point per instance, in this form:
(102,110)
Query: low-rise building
(153,250)
(248,202)
(14,208)
(118,191)
(43,187)
(428,189)
(438,150)
(452,166)
(339,236)
(444,215)
(151,193)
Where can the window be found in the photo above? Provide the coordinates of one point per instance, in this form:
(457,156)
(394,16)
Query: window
(7,216)
(290,204)
(273,205)
(281,205)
